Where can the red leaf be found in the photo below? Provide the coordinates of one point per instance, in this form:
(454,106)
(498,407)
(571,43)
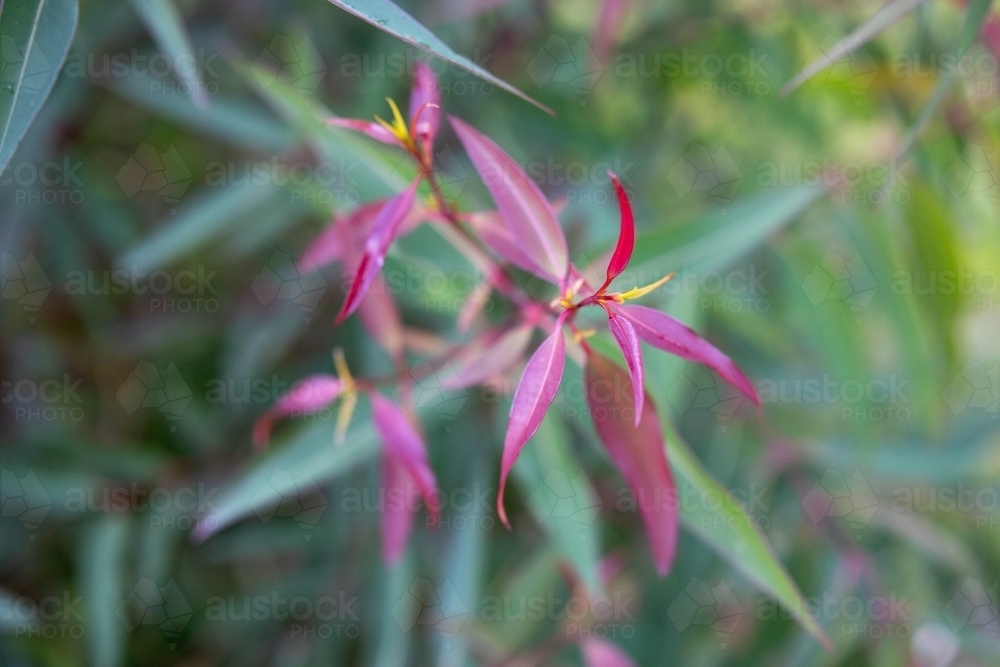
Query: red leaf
(486,357)
(400,498)
(404,447)
(662,331)
(534,394)
(602,653)
(384,231)
(306,395)
(626,236)
(524,209)
(628,341)
(425,104)
(637,451)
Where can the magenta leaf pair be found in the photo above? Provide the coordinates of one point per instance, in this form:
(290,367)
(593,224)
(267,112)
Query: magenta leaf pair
(406,472)
(630,431)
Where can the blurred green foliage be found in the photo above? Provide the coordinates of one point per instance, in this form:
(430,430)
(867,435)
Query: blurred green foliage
(151,312)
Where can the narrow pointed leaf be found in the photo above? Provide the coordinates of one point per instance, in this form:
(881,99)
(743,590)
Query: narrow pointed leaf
(487,357)
(425,103)
(37,35)
(405,445)
(367,127)
(664,332)
(166,26)
(730,531)
(628,341)
(534,394)
(525,211)
(306,395)
(383,233)
(626,236)
(638,453)
(884,18)
(602,653)
(388,17)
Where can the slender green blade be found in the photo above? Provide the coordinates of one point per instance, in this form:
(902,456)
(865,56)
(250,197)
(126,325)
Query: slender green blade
(164,23)
(386,15)
(34,40)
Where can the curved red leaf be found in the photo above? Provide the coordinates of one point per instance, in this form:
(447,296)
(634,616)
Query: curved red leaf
(626,235)
(637,451)
(534,394)
(662,331)
(524,209)
(306,395)
(384,231)
(628,341)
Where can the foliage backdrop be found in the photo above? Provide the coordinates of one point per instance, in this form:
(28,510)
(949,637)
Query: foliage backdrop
(151,312)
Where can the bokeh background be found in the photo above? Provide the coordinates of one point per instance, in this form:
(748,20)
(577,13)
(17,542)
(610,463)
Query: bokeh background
(151,311)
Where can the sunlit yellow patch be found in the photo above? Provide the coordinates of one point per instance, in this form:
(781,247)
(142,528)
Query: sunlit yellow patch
(580,334)
(637,292)
(398,127)
(349,391)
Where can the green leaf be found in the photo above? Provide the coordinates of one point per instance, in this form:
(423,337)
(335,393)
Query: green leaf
(722,236)
(884,18)
(312,458)
(102,587)
(561,498)
(712,513)
(36,37)
(164,23)
(387,16)
(974,17)
(198,222)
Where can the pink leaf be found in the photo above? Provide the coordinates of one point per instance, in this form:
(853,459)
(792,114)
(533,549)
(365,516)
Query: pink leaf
(602,653)
(368,127)
(628,341)
(383,233)
(405,449)
(336,241)
(626,236)
(662,331)
(306,395)
(490,228)
(490,355)
(380,317)
(524,209)
(532,398)
(396,521)
(637,451)
(425,104)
